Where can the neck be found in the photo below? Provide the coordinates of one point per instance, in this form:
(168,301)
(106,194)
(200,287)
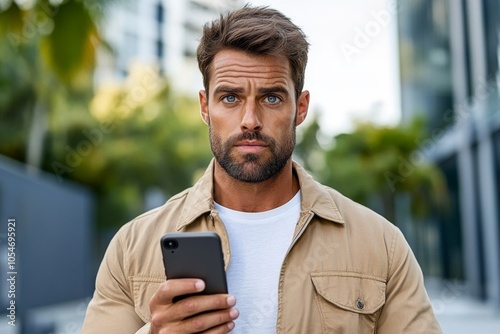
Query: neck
(255,197)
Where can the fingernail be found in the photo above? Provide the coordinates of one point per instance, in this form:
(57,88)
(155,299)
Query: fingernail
(234,313)
(199,285)
(231,301)
(230,325)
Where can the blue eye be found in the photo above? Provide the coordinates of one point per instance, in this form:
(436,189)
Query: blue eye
(273,99)
(229,98)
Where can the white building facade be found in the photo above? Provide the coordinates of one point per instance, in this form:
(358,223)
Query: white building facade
(162,33)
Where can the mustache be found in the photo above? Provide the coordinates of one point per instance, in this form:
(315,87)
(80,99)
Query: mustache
(250,136)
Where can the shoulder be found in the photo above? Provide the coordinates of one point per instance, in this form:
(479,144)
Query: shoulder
(328,203)
(368,235)
(354,212)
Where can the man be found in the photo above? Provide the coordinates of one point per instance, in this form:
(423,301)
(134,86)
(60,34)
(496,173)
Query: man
(300,257)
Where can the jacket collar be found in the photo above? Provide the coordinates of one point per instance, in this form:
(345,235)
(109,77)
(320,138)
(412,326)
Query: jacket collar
(315,198)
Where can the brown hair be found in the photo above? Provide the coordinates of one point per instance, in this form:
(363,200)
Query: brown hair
(257,30)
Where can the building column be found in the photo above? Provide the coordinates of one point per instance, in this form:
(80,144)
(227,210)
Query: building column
(465,161)
(486,167)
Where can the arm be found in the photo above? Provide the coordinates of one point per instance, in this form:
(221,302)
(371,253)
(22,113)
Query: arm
(407,308)
(111,309)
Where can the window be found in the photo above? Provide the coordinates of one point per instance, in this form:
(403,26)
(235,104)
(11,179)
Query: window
(160,12)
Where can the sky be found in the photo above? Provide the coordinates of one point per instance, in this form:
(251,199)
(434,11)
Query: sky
(353,68)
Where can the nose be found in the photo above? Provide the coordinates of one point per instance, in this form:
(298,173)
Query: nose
(251,120)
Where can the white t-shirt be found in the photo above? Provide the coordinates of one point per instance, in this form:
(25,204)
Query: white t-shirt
(259,242)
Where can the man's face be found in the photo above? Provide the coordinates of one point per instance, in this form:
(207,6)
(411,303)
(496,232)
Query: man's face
(252,113)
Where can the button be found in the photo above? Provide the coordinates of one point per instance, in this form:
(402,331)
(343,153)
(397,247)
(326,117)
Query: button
(360,304)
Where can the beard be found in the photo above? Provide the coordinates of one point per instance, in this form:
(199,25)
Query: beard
(251,167)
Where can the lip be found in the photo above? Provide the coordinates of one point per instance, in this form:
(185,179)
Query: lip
(251,145)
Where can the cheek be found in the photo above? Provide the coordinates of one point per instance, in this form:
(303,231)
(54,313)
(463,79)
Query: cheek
(222,127)
(284,124)
(225,121)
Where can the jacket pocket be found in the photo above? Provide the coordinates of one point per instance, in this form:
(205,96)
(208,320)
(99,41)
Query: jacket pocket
(144,287)
(348,302)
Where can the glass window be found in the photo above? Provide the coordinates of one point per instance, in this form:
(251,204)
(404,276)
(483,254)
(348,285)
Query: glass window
(159,49)
(491,9)
(159,12)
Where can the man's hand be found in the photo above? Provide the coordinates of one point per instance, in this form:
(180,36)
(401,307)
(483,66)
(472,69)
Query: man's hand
(195,314)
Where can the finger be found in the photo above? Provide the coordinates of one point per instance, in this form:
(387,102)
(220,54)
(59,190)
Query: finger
(203,303)
(212,322)
(224,328)
(172,288)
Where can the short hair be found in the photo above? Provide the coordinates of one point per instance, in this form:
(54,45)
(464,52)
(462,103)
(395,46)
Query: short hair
(256,30)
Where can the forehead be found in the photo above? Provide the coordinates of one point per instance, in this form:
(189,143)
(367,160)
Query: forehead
(230,66)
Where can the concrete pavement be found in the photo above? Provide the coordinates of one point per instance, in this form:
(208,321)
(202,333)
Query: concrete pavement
(457,313)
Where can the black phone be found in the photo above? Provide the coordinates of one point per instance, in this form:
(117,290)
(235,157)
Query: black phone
(195,255)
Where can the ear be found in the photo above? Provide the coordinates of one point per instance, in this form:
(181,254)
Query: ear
(202,95)
(302,107)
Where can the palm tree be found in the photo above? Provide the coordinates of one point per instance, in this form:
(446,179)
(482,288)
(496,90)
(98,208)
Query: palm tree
(50,46)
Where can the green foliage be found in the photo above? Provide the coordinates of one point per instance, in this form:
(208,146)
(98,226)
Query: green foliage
(129,144)
(139,135)
(48,50)
(64,35)
(379,162)
(16,95)
(70,47)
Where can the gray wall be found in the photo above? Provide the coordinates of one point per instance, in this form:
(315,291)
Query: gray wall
(53,238)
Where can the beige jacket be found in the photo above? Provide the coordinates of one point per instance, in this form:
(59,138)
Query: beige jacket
(348,270)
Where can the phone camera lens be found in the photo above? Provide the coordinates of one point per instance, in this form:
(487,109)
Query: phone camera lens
(171,244)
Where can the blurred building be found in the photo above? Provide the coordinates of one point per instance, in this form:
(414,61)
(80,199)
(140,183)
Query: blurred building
(449,64)
(160,33)
(45,247)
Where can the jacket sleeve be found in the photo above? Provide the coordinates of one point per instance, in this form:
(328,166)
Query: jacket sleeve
(407,308)
(112,309)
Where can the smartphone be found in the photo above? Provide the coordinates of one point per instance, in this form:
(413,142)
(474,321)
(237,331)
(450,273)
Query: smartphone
(195,255)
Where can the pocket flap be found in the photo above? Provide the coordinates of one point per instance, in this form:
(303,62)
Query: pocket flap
(351,291)
(144,287)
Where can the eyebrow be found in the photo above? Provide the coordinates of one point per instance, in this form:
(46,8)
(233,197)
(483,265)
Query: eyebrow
(228,90)
(273,90)
(239,90)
